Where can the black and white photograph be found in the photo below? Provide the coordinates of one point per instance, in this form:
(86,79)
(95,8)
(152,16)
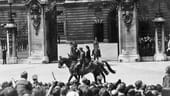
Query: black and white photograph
(84,47)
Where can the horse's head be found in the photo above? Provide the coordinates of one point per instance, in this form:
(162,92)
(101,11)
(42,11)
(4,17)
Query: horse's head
(61,62)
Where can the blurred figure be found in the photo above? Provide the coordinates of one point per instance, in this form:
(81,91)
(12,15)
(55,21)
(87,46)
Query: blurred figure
(35,80)
(166,78)
(4,55)
(73,55)
(87,54)
(166,82)
(82,57)
(96,53)
(23,86)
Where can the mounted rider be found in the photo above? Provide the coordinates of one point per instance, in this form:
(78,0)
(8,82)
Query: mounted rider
(82,57)
(74,53)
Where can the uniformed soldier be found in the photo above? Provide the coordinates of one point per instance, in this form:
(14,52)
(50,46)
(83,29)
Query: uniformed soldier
(73,51)
(87,55)
(96,53)
(23,86)
(82,57)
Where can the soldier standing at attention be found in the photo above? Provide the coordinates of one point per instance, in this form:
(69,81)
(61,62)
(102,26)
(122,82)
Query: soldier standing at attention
(96,51)
(23,86)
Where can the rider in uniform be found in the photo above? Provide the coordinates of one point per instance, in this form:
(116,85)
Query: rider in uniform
(73,51)
(82,57)
(87,56)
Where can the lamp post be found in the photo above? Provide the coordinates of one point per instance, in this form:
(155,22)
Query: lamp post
(159,40)
(11,29)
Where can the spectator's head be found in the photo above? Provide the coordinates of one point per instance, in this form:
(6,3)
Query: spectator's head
(81,49)
(114,93)
(27,95)
(129,87)
(9,91)
(86,81)
(131,92)
(88,48)
(103,92)
(143,86)
(111,86)
(121,87)
(56,91)
(61,84)
(159,88)
(138,84)
(5,85)
(168,69)
(35,77)
(63,91)
(138,94)
(155,92)
(24,75)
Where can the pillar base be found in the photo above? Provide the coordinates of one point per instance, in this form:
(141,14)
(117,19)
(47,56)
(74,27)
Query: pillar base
(12,60)
(128,58)
(38,60)
(160,57)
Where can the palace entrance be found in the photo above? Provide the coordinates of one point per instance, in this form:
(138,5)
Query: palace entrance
(146,39)
(113,35)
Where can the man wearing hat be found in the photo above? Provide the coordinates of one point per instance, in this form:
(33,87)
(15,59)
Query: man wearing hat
(73,51)
(84,87)
(35,80)
(23,86)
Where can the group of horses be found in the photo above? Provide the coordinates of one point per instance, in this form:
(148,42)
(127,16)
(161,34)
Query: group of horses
(97,68)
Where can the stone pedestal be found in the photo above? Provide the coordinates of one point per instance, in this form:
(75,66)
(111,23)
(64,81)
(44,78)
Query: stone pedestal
(37,32)
(127,20)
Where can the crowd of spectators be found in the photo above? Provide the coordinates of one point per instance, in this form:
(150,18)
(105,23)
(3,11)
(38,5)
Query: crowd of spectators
(23,87)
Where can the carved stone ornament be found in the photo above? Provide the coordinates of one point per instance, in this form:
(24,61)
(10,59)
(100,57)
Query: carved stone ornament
(128,18)
(35,12)
(127,6)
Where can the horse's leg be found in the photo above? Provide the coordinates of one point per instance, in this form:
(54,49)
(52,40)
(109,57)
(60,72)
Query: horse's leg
(78,78)
(104,78)
(95,77)
(71,76)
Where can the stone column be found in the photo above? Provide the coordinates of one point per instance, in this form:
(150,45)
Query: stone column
(127,19)
(37,31)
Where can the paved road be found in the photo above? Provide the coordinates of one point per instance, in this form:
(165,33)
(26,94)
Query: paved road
(149,72)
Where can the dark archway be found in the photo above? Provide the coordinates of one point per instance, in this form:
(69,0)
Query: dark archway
(98,30)
(113,34)
(145,38)
(52,33)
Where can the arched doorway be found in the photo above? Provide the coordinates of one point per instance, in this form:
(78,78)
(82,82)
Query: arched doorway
(146,38)
(98,30)
(113,34)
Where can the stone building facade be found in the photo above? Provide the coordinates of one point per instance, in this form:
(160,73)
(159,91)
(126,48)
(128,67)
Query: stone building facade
(83,20)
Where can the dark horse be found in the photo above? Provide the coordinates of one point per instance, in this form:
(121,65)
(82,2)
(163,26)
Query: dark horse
(97,68)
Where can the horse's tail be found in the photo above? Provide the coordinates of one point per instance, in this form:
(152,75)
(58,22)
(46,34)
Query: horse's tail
(109,68)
